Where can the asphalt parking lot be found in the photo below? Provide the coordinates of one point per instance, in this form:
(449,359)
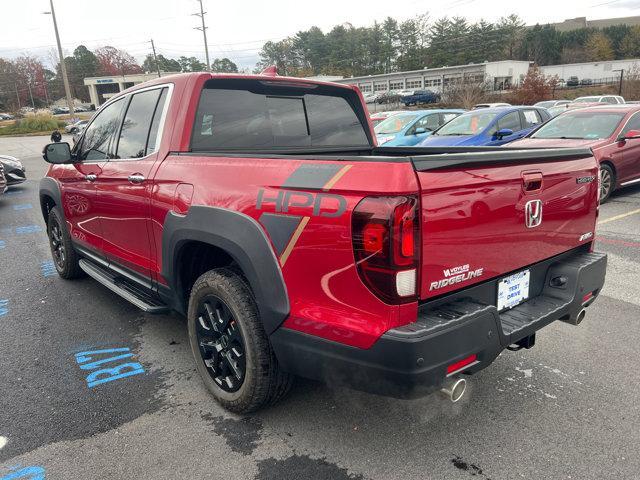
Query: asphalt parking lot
(566,409)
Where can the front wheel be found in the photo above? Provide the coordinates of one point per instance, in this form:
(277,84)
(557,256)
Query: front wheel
(607,182)
(231,349)
(64,255)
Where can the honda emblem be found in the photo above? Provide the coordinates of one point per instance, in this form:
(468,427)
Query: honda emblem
(533,213)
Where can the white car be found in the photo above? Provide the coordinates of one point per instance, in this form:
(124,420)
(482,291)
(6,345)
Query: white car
(490,105)
(609,99)
(76,127)
(551,103)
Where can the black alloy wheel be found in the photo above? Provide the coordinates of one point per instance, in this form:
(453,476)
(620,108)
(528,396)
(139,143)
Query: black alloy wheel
(57,244)
(222,347)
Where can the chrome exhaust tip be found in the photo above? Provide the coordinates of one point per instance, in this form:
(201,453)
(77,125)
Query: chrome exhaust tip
(575,319)
(581,316)
(454,389)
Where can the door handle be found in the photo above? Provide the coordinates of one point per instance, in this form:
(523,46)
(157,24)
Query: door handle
(136,178)
(91,177)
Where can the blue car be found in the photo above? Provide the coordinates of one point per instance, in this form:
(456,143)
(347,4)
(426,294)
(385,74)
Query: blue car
(420,96)
(411,127)
(488,127)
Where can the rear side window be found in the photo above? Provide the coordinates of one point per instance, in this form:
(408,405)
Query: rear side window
(260,117)
(510,121)
(531,118)
(137,124)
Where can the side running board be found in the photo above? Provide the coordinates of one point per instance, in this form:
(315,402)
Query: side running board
(125,288)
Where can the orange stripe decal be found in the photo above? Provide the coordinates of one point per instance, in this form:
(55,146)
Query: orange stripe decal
(336,177)
(294,239)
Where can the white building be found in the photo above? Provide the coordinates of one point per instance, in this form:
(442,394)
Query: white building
(597,72)
(501,75)
(103,88)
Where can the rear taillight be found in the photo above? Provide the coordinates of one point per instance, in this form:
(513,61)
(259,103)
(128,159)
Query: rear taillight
(386,246)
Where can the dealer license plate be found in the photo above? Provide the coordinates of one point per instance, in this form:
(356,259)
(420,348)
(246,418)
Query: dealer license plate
(513,290)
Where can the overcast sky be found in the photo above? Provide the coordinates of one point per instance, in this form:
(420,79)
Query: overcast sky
(237,29)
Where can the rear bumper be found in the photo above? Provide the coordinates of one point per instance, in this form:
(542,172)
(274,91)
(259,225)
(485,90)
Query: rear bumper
(412,360)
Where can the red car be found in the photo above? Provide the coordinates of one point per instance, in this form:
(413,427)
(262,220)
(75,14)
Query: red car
(612,132)
(260,207)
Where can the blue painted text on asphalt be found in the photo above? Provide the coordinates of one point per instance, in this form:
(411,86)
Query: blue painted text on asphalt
(47,268)
(4,307)
(22,206)
(2,244)
(95,359)
(28,229)
(27,473)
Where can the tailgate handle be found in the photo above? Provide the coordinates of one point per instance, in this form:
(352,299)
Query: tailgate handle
(532,181)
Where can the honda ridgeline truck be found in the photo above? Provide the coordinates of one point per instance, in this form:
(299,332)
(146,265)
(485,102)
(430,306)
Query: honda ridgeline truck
(260,207)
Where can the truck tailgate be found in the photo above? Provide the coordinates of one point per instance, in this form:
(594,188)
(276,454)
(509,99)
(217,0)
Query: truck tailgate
(486,219)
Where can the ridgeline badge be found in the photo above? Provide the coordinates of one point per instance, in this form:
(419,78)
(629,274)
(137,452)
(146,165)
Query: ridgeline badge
(455,275)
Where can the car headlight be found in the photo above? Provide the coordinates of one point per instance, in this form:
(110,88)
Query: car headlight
(383,140)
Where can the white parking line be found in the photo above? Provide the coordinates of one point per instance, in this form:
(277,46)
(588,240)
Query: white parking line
(618,217)
(3,442)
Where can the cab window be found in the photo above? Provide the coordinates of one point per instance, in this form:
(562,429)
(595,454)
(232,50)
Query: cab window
(100,133)
(137,124)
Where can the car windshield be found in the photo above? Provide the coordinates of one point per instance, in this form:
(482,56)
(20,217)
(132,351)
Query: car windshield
(467,124)
(394,124)
(581,126)
(586,99)
(546,104)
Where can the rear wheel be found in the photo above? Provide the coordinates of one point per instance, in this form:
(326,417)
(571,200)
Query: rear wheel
(231,349)
(65,258)
(607,182)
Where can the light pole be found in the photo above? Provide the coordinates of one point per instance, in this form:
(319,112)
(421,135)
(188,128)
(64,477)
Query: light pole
(204,34)
(621,77)
(63,67)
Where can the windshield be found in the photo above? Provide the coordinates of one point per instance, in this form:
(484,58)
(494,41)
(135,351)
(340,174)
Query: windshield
(581,126)
(586,99)
(546,104)
(394,124)
(467,124)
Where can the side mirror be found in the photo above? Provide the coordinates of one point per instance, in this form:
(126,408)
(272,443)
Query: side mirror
(420,130)
(504,132)
(57,153)
(629,135)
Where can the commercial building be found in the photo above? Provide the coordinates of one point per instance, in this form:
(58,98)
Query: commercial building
(582,22)
(500,75)
(597,72)
(103,88)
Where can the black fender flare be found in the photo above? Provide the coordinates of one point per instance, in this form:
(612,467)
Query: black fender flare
(49,187)
(244,240)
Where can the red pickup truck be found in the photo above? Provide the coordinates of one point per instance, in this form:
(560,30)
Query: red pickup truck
(261,208)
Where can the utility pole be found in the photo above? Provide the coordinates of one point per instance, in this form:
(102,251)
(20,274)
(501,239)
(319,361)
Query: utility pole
(63,67)
(33,104)
(204,34)
(155,57)
(17,95)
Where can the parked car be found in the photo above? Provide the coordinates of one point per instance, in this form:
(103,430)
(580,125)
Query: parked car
(14,171)
(490,105)
(573,82)
(551,103)
(555,111)
(6,116)
(372,97)
(377,117)
(411,127)
(309,251)
(610,99)
(612,132)
(76,127)
(392,96)
(586,82)
(420,96)
(488,126)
